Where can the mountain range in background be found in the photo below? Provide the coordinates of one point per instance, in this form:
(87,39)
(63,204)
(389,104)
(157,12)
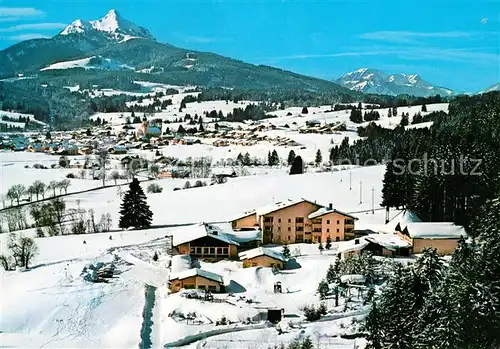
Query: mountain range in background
(113,43)
(116,45)
(375,81)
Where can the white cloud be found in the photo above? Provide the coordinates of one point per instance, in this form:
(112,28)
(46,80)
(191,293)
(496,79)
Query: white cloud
(20,12)
(407,36)
(27,36)
(478,54)
(35,26)
(8,19)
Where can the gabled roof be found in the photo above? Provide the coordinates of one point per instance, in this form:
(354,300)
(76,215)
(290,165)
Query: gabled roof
(197,272)
(281,205)
(439,230)
(261,251)
(246,214)
(196,231)
(327,210)
(388,241)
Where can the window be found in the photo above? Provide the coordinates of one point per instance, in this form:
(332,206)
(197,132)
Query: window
(268,219)
(279,228)
(288,237)
(299,228)
(327,221)
(328,230)
(212,250)
(338,231)
(254,264)
(193,250)
(289,220)
(299,220)
(201,287)
(199,250)
(338,222)
(337,238)
(219,250)
(225,250)
(189,287)
(289,229)
(212,288)
(317,230)
(279,220)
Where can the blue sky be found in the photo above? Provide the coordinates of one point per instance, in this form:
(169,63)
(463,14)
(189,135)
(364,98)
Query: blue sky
(450,43)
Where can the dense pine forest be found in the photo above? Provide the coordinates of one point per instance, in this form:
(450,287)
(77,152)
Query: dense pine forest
(432,304)
(446,173)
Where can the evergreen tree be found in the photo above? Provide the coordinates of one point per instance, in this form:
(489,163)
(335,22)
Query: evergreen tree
(286,251)
(394,111)
(424,108)
(328,242)
(291,157)
(320,248)
(323,289)
(134,210)
(307,343)
(297,166)
(331,274)
(389,113)
(304,110)
(404,120)
(319,158)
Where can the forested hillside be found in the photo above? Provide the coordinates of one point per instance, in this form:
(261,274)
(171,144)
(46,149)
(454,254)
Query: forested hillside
(431,305)
(446,173)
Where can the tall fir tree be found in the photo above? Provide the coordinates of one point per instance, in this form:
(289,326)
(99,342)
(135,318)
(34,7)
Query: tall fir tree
(134,210)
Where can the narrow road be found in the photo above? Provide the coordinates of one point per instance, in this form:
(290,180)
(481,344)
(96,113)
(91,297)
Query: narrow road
(147,317)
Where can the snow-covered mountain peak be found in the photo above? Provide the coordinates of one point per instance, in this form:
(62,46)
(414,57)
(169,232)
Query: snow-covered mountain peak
(112,23)
(375,81)
(76,27)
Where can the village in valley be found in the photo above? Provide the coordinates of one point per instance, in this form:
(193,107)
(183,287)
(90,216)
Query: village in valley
(235,179)
(236,244)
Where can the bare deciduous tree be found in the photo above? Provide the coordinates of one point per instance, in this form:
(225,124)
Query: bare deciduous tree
(16,192)
(103,160)
(23,249)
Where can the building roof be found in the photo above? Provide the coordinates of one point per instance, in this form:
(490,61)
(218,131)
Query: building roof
(246,235)
(402,219)
(261,251)
(246,214)
(327,210)
(196,272)
(440,230)
(351,245)
(180,263)
(196,231)
(152,129)
(281,205)
(388,241)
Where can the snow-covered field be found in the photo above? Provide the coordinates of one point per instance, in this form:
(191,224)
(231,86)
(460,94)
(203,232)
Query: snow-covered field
(52,305)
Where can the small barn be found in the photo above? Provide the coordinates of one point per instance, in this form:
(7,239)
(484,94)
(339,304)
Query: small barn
(196,279)
(205,241)
(262,257)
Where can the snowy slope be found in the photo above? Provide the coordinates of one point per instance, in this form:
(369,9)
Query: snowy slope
(94,62)
(492,88)
(375,81)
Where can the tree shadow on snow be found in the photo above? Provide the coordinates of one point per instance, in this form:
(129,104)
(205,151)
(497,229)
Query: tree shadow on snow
(235,287)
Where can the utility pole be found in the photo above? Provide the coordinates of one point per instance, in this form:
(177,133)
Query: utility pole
(350,179)
(373,200)
(360,192)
